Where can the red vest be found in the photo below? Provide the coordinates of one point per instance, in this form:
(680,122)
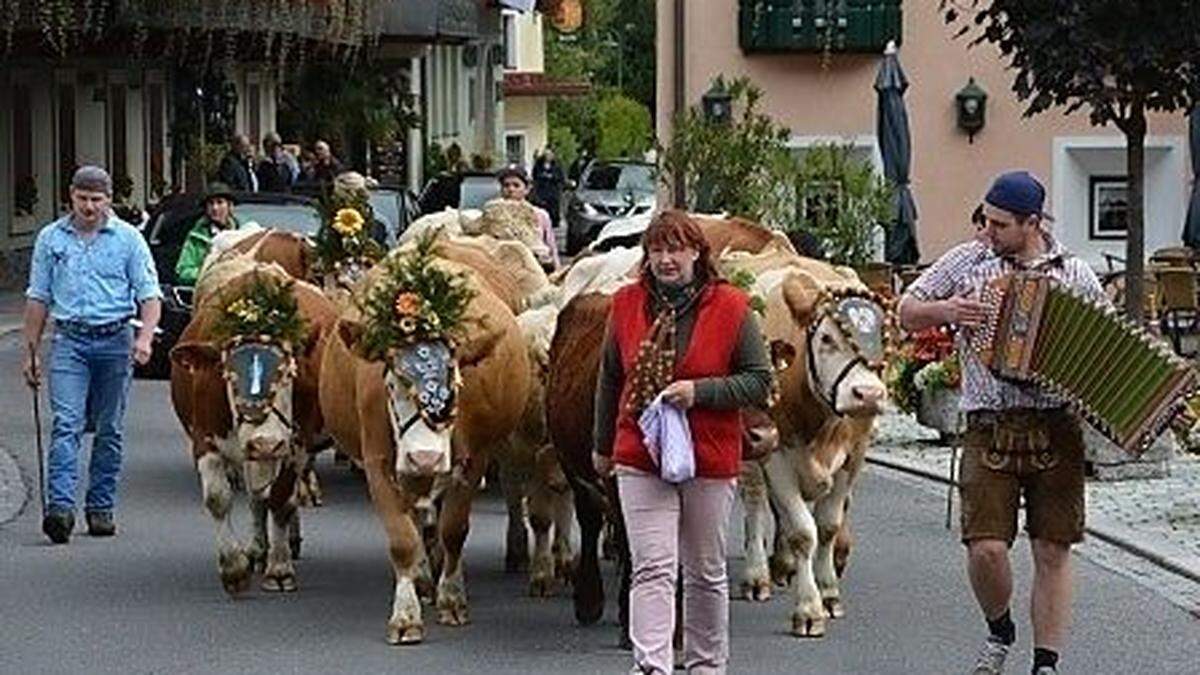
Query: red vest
(716,434)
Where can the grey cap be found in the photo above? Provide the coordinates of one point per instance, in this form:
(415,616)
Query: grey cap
(92,179)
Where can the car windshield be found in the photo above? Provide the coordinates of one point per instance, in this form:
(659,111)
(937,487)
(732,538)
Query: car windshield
(385,204)
(298,218)
(620,177)
(477,191)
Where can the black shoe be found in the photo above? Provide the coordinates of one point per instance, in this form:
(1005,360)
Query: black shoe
(58,525)
(100,524)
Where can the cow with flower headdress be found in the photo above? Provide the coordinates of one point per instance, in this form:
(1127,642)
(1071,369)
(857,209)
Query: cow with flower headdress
(244,385)
(423,378)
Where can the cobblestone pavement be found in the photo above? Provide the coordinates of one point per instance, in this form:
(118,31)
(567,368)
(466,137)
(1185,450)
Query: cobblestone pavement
(1158,517)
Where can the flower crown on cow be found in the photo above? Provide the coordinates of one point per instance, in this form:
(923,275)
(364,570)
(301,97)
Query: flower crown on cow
(265,309)
(413,300)
(344,236)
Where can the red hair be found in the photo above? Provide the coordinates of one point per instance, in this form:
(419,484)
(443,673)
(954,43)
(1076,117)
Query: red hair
(676,229)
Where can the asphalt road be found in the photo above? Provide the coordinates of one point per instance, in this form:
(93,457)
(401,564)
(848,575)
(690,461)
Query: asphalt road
(149,601)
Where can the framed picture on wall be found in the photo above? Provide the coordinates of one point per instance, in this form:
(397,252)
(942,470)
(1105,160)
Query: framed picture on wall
(1108,207)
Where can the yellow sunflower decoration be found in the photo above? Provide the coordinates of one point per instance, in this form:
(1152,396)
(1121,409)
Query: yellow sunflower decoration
(348,222)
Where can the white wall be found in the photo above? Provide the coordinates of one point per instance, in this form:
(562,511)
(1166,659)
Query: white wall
(1077,158)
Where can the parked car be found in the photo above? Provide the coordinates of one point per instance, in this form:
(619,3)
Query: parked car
(607,190)
(165,233)
(466,190)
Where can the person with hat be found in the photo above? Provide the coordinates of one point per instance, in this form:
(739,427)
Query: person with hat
(218,216)
(1021,440)
(91,273)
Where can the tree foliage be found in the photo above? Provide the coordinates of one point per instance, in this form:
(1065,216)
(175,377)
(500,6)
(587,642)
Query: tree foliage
(1118,59)
(624,128)
(743,168)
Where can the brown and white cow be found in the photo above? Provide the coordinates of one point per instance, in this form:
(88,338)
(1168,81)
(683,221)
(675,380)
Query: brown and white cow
(415,449)
(830,395)
(250,410)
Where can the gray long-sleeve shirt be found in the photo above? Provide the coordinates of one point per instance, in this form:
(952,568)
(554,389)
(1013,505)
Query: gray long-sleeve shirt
(748,383)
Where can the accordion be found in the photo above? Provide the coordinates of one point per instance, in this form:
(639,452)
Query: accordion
(1126,383)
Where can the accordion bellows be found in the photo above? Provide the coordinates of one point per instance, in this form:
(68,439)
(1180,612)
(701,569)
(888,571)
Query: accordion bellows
(1125,382)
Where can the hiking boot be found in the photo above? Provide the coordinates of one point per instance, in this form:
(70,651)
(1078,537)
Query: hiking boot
(991,658)
(100,524)
(57,525)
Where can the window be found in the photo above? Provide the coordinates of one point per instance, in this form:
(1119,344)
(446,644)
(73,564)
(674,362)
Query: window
(514,149)
(510,40)
(1108,207)
(66,140)
(118,164)
(24,182)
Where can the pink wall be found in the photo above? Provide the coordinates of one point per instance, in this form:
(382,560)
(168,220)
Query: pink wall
(949,174)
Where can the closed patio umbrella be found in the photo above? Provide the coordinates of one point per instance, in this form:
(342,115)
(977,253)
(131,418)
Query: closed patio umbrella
(1191,226)
(895,145)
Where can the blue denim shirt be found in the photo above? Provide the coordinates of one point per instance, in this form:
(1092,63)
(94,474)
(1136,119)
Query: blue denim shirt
(94,282)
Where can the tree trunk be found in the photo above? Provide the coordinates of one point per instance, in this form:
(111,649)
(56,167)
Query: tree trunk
(1135,241)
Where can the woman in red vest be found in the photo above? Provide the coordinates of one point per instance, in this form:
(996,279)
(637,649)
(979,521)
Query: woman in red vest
(684,332)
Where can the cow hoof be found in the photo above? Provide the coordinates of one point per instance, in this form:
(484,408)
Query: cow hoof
(453,616)
(281,583)
(834,608)
(405,635)
(757,590)
(235,572)
(543,586)
(807,626)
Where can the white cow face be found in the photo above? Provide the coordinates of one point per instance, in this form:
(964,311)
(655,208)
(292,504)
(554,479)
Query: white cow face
(422,383)
(259,379)
(845,354)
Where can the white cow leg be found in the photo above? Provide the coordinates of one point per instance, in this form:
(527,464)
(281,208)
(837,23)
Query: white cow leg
(453,525)
(799,530)
(564,519)
(542,580)
(756,576)
(257,549)
(232,562)
(280,575)
(829,512)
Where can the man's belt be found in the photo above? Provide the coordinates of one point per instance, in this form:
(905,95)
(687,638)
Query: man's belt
(84,329)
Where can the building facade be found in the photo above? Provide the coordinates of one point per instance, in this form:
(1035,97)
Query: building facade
(826,94)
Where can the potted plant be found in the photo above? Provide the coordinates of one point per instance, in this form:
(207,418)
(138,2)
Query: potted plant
(845,203)
(924,379)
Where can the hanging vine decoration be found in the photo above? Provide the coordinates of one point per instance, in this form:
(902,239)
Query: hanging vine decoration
(225,29)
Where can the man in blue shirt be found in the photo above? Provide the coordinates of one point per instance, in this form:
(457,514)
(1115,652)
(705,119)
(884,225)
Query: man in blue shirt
(91,273)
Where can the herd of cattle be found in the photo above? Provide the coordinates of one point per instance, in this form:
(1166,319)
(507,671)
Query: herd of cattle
(523,377)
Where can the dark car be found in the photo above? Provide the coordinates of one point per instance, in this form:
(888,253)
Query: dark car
(166,231)
(607,190)
(466,190)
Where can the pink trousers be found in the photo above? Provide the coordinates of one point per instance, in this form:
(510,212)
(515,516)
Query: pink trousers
(669,526)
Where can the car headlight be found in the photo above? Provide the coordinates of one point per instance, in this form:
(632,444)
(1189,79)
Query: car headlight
(588,209)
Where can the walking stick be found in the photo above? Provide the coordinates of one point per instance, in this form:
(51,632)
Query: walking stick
(41,453)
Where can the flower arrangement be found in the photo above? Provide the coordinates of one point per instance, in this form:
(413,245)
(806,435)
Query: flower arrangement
(414,299)
(926,361)
(265,308)
(344,236)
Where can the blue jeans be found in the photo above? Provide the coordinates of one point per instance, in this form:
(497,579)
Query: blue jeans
(89,378)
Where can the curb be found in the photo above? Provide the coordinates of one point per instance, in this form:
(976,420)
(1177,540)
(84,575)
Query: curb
(13,492)
(8,328)
(1110,534)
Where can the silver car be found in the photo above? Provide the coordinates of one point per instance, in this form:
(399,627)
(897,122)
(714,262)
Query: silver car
(607,190)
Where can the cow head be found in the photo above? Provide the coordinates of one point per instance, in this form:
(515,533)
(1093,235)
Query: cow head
(259,376)
(422,380)
(847,332)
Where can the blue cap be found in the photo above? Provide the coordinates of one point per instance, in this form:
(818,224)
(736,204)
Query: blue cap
(1019,193)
